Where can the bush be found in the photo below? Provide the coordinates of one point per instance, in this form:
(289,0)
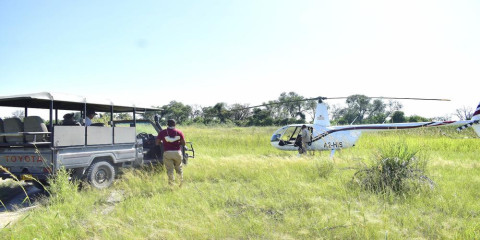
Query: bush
(397,169)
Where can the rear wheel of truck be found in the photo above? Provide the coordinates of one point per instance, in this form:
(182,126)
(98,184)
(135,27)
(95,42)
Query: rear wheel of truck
(101,174)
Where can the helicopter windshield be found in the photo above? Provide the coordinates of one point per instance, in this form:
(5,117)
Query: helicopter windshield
(286,134)
(291,134)
(276,136)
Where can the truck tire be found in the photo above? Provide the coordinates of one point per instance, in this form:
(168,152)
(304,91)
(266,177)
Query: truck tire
(101,174)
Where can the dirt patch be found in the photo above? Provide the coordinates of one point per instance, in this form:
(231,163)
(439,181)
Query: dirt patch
(7,218)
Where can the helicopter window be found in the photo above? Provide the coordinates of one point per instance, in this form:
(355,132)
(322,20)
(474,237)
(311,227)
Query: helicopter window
(291,134)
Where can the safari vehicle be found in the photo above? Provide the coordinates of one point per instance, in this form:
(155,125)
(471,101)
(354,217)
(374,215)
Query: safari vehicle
(32,149)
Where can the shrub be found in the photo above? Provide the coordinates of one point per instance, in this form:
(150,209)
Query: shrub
(397,169)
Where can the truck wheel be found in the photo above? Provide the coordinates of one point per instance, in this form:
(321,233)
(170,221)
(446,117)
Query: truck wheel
(101,175)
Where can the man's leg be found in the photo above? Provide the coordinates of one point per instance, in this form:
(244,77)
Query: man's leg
(178,166)
(304,147)
(169,165)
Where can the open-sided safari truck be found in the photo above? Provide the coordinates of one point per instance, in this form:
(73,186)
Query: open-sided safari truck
(34,149)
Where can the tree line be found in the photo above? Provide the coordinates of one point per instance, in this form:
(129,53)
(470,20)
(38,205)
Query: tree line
(290,108)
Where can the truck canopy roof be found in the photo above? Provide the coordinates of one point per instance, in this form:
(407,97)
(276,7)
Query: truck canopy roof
(61,101)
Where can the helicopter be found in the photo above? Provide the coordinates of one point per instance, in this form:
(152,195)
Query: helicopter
(325,137)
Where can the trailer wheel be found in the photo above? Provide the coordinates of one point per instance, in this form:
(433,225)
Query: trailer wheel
(101,175)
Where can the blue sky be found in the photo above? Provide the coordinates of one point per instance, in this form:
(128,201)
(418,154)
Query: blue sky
(205,52)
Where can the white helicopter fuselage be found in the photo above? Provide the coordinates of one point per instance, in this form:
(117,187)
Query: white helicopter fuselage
(285,138)
(325,137)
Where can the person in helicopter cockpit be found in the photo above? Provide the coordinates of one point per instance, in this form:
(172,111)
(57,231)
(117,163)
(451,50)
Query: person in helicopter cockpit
(298,143)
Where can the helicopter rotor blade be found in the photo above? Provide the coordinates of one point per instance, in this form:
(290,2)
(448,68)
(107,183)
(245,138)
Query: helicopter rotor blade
(422,99)
(326,98)
(397,98)
(276,103)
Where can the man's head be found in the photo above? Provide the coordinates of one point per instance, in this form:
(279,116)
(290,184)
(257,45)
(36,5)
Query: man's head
(91,114)
(171,123)
(304,126)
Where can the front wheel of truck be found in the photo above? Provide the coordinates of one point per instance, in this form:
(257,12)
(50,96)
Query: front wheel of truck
(101,174)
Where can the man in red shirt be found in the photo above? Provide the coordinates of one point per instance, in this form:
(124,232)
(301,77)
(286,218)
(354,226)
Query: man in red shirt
(173,141)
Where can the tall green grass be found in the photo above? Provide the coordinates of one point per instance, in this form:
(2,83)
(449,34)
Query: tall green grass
(397,169)
(239,187)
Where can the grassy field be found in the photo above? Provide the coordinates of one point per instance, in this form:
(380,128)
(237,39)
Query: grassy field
(239,187)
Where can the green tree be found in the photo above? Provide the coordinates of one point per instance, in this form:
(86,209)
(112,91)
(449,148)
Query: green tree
(196,111)
(208,115)
(416,118)
(292,103)
(275,109)
(360,110)
(216,114)
(398,117)
(376,112)
(240,113)
(221,111)
(358,107)
(260,118)
(175,110)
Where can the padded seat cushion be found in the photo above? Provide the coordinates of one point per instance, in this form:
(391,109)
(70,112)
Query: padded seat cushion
(13,125)
(35,124)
